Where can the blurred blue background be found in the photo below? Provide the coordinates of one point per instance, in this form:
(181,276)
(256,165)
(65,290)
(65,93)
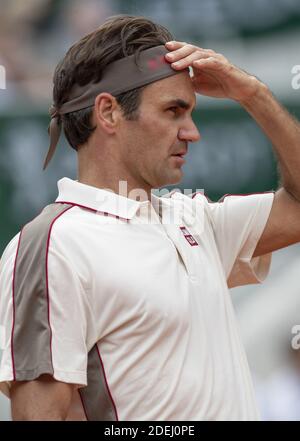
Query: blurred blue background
(233,156)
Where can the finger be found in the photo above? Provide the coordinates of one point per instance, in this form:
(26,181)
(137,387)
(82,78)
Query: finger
(182,52)
(175,44)
(189,60)
(187,55)
(178,44)
(208,63)
(180,47)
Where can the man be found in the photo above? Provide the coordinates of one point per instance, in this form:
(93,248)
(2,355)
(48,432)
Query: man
(116,308)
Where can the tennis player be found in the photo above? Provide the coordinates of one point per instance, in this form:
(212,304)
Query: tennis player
(116,307)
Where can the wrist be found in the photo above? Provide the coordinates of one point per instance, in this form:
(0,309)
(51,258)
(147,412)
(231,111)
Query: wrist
(258,92)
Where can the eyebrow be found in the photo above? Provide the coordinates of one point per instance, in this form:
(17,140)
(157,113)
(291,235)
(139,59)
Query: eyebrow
(180,103)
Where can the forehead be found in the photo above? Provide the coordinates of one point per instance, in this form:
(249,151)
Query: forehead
(175,87)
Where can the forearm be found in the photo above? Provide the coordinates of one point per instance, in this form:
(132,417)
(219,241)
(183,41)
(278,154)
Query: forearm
(30,414)
(41,400)
(283,131)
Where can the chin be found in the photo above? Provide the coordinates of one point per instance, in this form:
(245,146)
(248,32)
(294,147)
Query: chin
(171,180)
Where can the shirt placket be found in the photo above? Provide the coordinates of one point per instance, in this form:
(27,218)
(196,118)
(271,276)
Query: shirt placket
(177,229)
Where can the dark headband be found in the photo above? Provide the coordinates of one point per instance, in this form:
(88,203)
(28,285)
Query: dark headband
(118,77)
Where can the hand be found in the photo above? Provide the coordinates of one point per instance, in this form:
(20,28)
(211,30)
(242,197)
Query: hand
(214,75)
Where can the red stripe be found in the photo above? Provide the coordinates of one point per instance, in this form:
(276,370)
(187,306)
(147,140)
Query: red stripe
(105,213)
(47,281)
(173,192)
(14,309)
(197,192)
(108,390)
(77,205)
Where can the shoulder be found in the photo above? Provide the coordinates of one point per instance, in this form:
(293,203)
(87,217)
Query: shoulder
(44,222)
(34,236)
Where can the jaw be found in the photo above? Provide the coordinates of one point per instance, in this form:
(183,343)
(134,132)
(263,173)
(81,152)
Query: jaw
(174,176)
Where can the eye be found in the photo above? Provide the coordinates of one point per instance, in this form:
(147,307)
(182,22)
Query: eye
(173,109)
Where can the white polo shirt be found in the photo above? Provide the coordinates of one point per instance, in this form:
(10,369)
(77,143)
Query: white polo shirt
(99,291)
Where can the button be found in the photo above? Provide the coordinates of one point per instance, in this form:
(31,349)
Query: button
(193,279)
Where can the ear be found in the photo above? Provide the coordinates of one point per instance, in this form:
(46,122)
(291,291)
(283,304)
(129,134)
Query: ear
(107,112)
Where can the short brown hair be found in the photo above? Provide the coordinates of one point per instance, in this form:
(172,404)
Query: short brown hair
(119,36)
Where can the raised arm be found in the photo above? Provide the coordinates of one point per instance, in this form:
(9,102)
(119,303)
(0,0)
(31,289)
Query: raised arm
(283,227)
(215,76)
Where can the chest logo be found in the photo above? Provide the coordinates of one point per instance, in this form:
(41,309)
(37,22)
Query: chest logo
(191,240)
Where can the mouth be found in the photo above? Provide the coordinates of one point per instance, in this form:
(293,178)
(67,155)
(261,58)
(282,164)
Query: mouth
(179,158)
(182,153)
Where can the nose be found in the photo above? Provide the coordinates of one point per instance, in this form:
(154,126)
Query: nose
(189,133)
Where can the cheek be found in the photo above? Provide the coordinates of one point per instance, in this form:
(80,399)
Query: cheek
(160,133)
(152,139)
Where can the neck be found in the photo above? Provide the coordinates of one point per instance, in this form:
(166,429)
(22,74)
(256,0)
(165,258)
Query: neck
(104,174)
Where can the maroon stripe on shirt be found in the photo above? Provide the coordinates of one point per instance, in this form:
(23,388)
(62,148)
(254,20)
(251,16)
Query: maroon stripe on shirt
(105,213)
(47,279)
(31,338)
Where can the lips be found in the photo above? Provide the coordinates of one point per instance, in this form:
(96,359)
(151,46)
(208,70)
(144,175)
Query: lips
(179,159)
(181,154)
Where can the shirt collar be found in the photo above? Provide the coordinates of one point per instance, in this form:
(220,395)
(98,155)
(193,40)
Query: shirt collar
(97,199)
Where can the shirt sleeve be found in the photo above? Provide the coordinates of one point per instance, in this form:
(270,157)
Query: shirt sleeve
(238,223)
(44,310)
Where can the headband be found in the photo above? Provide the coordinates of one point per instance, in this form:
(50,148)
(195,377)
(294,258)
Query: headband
(118,77)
